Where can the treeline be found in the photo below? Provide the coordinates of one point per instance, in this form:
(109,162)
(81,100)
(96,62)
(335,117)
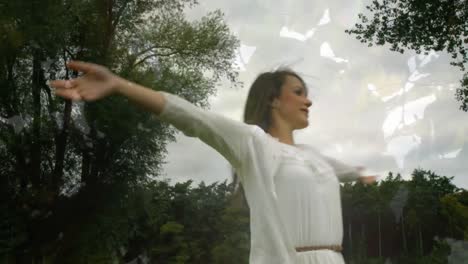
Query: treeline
(421,220)
(153,223)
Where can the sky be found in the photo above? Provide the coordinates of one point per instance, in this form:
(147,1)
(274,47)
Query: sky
(371,107)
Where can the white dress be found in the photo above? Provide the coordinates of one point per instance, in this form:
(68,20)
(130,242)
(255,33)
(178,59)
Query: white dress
(254,155)
(309,204)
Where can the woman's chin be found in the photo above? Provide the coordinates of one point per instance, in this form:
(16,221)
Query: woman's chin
(303,125)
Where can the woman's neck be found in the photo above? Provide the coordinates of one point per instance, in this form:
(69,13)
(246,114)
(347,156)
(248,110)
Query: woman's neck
(283,134)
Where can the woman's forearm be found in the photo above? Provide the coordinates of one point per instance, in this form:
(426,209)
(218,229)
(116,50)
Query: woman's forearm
(144,97)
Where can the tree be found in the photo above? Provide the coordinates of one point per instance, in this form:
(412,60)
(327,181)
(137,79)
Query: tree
(68,165)
(426,210)
(421,26)
(456,216)
(234,227)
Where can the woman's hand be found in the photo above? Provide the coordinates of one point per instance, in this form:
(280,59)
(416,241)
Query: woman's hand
(366,179)
(96,82)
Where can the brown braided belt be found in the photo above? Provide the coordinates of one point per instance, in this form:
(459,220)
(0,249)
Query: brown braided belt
(336,248)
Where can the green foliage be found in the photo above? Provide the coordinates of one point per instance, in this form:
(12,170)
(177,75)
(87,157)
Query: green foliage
(456,215)
(421,220)
(74,173)
(234,230)
(421,26)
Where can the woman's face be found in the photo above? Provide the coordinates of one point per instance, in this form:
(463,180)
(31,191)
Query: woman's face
(292,105)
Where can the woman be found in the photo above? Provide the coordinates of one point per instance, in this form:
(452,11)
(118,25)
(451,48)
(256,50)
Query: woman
(291,189)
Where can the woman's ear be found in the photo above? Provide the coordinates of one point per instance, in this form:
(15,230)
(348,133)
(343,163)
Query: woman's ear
(275,103)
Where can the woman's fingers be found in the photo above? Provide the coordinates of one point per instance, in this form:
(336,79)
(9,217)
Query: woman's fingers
(66,89)
(64,84)
(59,84)
(368,179)
(70,94)
(81,66)
(92,85)
(371,179)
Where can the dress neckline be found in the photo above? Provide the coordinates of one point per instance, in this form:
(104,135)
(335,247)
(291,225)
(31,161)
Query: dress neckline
(295,146)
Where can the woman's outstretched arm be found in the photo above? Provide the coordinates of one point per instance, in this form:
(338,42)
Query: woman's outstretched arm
(228,137)
(98,82)
(346,173)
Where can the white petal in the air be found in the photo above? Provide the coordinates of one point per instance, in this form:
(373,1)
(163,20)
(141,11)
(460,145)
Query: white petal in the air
(243,55)
(399,147)
(371,87)
(286,33)
(450,155)
(412,64)
(408,86)
(431,122)
(339,148)
(387,98)
(411,112)
(414,110)
(427,58)
(416,76)
(325,18)
(247,52)
(327,52)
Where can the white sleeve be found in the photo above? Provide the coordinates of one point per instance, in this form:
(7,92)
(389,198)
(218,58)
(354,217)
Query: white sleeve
(227,136)
(344,172)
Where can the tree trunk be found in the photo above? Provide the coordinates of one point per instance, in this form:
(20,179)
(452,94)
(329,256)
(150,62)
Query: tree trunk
(380,235)
(85,164)
(60,146)
(363,239)
(37,78)
(405,245)
(350,237)
(421,249)
(21,169)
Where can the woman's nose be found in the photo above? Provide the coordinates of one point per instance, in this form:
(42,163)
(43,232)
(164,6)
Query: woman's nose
(308,103)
